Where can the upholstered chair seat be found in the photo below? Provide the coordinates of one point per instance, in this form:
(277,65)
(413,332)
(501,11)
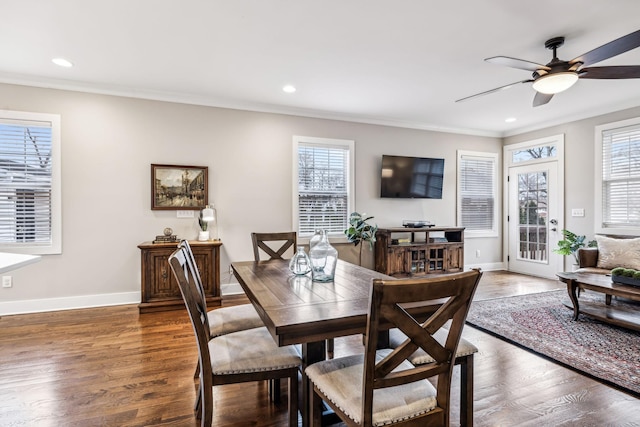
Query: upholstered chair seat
(236,318)
(248,351)
(342,380)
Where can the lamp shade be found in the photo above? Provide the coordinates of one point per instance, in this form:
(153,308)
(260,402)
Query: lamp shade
(208,213)
(551,84)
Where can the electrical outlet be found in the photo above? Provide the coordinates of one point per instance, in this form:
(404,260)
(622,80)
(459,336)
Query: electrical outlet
(477,253)
(7,282)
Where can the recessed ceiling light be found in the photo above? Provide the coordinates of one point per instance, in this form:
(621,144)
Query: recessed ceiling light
(62,62)
(510,120)
(289,88)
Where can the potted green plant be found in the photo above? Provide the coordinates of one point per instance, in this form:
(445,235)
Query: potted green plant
(570,244)
(628,276)
(361,231)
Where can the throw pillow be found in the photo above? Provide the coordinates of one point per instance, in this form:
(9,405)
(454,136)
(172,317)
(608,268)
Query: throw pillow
(614,253)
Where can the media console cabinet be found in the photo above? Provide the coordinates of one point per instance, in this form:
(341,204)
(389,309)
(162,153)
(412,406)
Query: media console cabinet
(159,288)
(405,252)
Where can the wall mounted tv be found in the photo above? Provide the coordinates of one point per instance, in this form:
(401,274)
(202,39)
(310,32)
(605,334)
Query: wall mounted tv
(411,177)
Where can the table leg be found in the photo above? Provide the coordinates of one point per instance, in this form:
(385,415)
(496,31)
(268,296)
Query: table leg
(572,286)
(312,352)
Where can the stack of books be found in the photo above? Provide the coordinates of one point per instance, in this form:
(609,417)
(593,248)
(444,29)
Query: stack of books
(166,239)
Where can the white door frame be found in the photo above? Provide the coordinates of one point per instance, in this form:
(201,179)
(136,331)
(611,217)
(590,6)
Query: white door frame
(558,141)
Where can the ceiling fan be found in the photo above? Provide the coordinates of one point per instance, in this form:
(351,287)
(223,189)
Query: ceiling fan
(559,75)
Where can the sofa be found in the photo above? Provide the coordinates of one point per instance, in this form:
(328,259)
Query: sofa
(612,252)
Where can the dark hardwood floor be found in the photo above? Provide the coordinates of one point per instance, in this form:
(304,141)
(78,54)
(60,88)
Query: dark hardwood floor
(114,367)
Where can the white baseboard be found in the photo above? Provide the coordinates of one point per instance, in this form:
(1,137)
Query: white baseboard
(491,266)
(233,288)
(67,303)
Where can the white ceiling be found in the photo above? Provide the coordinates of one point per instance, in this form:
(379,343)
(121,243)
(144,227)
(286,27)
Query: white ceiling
(400,63)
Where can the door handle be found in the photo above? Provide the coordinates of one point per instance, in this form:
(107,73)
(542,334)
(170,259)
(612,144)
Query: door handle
(554,229)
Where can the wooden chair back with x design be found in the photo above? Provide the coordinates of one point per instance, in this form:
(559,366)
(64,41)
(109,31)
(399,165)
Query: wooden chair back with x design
(403,395)
(261,243)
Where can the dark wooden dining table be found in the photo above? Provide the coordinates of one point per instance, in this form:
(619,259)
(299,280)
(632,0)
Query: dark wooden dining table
(297,310)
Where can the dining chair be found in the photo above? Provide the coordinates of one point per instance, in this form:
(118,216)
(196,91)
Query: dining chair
(225,320)
(275,245)
(236,357)
(403,394)
(464,358)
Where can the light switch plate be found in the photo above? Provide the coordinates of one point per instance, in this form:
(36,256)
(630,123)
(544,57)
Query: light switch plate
(184,214)
(577,212)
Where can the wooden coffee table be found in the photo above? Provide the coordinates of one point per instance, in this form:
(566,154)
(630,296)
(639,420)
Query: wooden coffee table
(604,312)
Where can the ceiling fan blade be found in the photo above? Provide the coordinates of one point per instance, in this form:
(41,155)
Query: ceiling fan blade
(492,90)
(517,63)
(541,99)
(609,50)
(615,72)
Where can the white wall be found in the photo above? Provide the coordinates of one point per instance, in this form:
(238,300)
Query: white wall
(108,144)
(580,167)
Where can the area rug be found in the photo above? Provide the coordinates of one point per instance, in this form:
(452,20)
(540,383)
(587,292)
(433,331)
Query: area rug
(542,324)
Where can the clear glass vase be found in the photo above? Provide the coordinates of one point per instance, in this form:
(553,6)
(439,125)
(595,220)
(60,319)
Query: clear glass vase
(324,258)
(315,239)
(300,264)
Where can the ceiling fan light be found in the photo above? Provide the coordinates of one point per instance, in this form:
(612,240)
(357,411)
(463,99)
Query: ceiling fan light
(551,84)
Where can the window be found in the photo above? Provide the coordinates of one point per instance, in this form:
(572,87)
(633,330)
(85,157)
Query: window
(30,183)
(534,153)
(323,183)
(618,183)
(477,189)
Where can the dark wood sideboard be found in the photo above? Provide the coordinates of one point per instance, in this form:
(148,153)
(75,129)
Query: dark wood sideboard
(159,288)
(405,252)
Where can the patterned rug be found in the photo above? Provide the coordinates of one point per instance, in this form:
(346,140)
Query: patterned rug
(542,324)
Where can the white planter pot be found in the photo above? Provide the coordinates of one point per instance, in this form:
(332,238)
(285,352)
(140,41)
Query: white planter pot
(203,236)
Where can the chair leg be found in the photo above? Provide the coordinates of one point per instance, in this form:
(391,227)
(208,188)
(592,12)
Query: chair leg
(274,390)
(206,406)
(466,391)
(293,400)
(330,347)
(197,407)
(315,406)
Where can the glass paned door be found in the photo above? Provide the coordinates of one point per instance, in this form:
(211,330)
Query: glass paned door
(533,219)
(533,203)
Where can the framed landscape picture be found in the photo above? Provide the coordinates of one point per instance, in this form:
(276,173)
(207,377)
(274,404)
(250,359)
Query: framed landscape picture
(179,187)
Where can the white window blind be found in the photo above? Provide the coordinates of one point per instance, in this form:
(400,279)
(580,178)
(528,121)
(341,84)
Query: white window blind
(477,192)
(26,184)
(621,177)
(323,185)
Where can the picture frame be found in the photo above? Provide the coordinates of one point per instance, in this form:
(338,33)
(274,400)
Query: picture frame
(175,187)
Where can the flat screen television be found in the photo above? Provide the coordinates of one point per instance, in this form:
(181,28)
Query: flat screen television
(411,177)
